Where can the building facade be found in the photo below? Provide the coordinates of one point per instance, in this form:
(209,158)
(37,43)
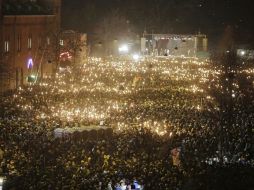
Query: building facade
(28,40)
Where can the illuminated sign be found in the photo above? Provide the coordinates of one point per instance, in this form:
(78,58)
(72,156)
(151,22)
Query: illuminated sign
(30,63)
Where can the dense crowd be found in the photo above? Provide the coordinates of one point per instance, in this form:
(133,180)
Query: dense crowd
(170,129)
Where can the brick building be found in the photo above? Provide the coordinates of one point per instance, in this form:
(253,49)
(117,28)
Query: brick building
(29,32)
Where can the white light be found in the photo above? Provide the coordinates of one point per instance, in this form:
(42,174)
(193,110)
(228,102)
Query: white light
(1,181)
(33,76)
(123,48)
(136,57)
(242,53)
(30,63)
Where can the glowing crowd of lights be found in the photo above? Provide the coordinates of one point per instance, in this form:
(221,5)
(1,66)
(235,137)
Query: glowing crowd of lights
(102,89)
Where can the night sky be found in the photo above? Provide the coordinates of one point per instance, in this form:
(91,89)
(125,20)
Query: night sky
(165,16)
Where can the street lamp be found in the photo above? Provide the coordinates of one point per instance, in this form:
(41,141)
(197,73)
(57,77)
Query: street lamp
(136,57)
(123,48)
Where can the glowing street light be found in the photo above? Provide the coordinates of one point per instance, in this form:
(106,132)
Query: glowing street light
(136,57)
(32,78)
(123,49)
(243,53)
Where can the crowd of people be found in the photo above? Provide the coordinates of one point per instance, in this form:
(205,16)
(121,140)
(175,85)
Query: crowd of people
(170,129)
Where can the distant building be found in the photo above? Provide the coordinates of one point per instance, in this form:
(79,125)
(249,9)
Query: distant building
(28,35)
(174,45)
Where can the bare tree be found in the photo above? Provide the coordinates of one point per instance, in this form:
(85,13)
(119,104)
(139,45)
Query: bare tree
(6,75)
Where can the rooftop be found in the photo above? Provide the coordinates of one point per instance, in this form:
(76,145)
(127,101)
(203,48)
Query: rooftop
(26,8)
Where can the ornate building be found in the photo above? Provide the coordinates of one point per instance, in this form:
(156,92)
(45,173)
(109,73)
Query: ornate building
(29,31)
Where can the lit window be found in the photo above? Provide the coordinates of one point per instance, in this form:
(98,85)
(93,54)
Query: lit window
(6,46)
(61,42)
(48,40)
(29,42)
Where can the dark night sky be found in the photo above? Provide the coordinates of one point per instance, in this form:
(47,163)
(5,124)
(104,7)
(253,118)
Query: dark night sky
(165,16)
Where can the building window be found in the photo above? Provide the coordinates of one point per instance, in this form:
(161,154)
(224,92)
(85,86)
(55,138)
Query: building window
(6,46)
(19,43)
(61,42)
(48,40)
(29,42)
